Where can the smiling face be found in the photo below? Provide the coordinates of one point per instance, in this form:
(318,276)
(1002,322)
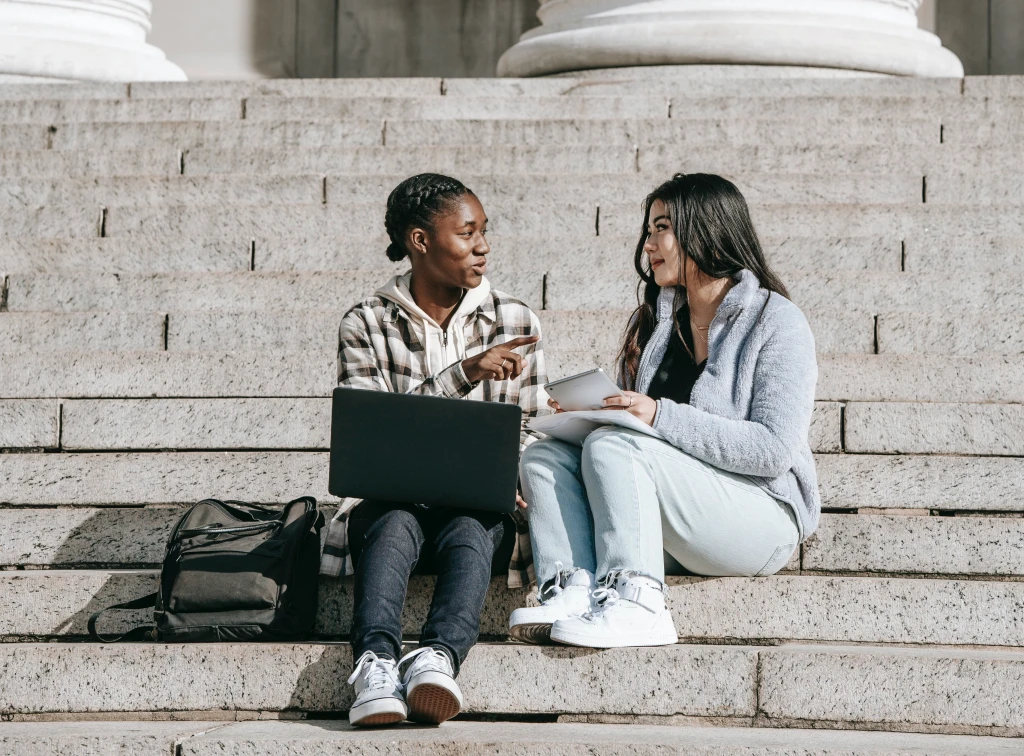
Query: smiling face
(453,251)
(664,252)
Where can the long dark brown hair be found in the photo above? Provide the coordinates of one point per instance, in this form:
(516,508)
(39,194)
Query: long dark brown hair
(712,223)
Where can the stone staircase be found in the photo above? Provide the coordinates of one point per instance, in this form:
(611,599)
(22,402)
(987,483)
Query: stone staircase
(175,259)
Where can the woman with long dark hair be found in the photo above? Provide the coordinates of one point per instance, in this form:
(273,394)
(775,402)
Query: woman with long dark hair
(721,365)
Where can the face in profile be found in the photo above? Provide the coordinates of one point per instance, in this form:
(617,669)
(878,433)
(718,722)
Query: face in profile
(453,252)
(666,256)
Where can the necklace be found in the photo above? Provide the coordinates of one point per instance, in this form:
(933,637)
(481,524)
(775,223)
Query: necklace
(701,331)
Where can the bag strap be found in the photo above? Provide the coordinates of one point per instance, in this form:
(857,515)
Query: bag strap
(222,530)
(136,633)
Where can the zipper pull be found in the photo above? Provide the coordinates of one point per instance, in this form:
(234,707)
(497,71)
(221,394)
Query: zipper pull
(445,333)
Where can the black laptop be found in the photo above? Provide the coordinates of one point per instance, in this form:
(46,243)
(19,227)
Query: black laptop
(424,450)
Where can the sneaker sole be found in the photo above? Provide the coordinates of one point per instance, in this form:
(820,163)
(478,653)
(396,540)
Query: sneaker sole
(377,714)
(638,640)
(433,704)
(539,634)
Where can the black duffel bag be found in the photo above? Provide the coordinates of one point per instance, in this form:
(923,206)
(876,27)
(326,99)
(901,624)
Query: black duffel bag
(235,571)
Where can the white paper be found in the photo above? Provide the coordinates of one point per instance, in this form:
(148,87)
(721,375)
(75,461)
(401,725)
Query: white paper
(574,427)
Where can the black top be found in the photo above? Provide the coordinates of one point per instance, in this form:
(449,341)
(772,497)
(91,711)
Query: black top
(678,370)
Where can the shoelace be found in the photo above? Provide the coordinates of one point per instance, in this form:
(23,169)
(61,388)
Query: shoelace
(381,673)
(554,586)
(431,660)
(605,596)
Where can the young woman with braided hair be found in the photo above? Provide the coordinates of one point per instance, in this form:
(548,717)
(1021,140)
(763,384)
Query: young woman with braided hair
(438,330)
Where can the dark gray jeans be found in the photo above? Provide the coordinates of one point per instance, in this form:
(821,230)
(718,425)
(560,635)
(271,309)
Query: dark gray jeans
(391,541)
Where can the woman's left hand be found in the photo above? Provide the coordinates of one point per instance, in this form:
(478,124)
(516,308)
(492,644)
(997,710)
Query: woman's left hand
(640,406)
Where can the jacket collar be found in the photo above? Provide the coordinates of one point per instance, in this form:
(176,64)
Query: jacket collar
(737,298)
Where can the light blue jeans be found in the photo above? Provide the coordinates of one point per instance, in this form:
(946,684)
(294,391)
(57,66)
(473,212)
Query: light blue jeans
(629,501)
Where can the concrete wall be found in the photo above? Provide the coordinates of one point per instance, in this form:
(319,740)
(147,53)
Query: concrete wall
(220,39)
(987,35)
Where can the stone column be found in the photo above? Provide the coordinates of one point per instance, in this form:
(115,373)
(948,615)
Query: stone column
(877,36)
(80,40)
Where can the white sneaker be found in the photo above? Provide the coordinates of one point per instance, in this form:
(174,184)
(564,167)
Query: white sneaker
(378,692)
(430,688)
(630,611)
(564,596)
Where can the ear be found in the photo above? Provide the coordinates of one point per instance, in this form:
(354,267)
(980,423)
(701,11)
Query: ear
(417,241)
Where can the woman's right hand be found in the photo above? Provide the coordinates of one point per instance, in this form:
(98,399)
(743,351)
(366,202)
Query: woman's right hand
(498,363)
(554,405)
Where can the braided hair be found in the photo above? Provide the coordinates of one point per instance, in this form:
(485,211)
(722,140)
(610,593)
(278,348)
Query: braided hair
(418,201)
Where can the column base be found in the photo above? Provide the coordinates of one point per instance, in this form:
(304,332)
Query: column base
(700,72)
(64,60)
(782,38)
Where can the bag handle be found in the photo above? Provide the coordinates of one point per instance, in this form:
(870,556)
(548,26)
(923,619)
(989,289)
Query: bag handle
(136,633)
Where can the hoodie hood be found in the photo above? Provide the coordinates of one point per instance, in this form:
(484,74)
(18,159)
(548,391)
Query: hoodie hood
(440,349)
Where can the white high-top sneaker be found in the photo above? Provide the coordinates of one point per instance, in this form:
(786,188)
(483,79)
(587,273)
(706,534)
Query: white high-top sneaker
(629,611)
(565,596)
(430,688)
(379,698)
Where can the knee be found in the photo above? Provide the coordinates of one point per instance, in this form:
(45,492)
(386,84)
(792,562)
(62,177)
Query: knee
(465,531)
(398,528)
(606,444)
(546,454)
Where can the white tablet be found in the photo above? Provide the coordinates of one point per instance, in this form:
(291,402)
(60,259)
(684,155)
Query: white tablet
(586,391)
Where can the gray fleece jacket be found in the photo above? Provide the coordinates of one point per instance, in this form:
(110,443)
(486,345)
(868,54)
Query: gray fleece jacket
(750,410)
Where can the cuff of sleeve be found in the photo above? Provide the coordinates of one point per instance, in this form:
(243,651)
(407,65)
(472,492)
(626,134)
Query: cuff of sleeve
(668,417)
(453,381)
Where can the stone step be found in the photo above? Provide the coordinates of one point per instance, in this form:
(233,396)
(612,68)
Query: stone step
(959,188)
(986,253)
(685,85)
(64,195)
(209,374)
(530,218)
(304,424)
(853,291)
(273,424)
(993,132)
(846,158)
(273,108)
(862,544)
(235,291)
(29,424)
(571,159)
(85,164)
(569,739)
(70,221)
(40,255)
(305,134)
(347,252)
(368,87)
(863,291)
(835,332)
(51,111)
(79,90)
(86,331)
(846,481)
(852,686)
(905,428)
(967,333)
(315,737)
(613,83)
(58,604)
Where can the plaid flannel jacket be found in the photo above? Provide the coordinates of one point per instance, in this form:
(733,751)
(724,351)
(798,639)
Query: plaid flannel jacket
(378,350)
